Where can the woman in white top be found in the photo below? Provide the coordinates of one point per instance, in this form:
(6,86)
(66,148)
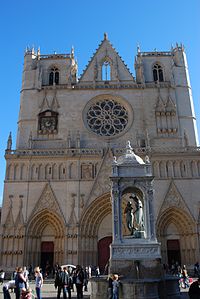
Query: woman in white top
(38,282)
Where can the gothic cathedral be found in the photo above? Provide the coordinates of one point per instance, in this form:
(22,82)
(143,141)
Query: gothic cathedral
(56,205)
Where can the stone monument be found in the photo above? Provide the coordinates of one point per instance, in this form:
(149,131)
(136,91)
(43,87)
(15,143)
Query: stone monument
(135,252)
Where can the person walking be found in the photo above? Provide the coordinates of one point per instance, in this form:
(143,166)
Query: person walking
(185,277)
(110,286)
(79,274)
(115,284)
(67,281)
(62,282)
(38,282)
(20,282)
(194,290)
(6,287)
(2,276)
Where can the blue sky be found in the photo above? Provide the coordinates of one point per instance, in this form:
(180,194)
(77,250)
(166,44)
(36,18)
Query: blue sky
(58,25)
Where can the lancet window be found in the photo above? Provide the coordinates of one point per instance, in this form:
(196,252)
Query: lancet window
(54,76)
(158,73)
(106,71)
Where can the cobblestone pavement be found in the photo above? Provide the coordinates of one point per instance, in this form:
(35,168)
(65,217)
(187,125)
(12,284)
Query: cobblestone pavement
(48,291)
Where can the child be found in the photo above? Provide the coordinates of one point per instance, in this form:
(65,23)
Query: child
(115,284)
(27,294)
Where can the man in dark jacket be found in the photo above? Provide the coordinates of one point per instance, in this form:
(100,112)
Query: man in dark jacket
(62,282)
(194,290)
(79,276)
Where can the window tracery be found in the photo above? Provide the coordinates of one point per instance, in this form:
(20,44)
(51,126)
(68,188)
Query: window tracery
(158,73)
(107,117)
(106,70)
(54,76)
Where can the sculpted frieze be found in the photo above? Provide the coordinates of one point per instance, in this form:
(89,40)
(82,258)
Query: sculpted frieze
(130,252)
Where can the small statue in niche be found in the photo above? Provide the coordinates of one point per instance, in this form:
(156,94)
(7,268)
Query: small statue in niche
(138,212)
(87,171)
(129,217)
(134,214)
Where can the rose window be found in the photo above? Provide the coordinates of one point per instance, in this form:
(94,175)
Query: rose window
(107,118)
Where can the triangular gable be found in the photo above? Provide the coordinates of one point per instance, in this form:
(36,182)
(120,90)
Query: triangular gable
(47,201)
(160,105)
(55,104)
(9,219)
(105,51)
(45,104)
(102,182)
(20,218)
(170,105)
(173,198)
(73,219)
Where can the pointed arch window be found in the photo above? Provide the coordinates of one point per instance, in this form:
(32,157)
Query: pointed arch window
(106,71)
(54,76)
(158,73)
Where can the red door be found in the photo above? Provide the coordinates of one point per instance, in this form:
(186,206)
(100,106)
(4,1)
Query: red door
(173,252)
(104,253)
(47,254)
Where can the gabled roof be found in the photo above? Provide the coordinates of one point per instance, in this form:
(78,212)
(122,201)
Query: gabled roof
(120,71)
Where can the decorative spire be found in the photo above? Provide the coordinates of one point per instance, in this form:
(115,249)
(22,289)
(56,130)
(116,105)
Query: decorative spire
(78,139)
(30,140)
(186,140)
(72,51)
(138,48)
(9,142)
(105,36)
(38,51)
(69,140)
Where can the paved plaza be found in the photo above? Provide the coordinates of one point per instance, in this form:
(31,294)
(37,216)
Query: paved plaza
(49,291)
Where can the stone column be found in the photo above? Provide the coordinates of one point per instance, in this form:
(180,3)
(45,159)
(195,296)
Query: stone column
(116,216)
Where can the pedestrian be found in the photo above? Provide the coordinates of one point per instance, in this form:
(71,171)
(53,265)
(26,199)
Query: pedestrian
(26,275)
(194,290)
(68,281)
(86,278)
(110,286)
(27,294)
(38,282)
(115,284)
(79,275)
(2,276)
(6,287)
(196,269)
(185,277)
(20,282)
(62,283)
(97,272)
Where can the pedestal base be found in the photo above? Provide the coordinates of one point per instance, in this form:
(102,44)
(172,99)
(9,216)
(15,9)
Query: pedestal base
(137,289)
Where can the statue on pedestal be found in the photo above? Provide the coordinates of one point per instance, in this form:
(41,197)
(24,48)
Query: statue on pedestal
(134,214)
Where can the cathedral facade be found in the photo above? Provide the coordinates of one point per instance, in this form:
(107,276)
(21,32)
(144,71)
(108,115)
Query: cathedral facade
(56,204)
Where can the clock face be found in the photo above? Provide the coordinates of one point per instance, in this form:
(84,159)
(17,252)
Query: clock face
(48,124)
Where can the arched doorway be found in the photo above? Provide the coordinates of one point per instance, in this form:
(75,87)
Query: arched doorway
(176,233)
(104,254)
(45,239)
(95,225)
